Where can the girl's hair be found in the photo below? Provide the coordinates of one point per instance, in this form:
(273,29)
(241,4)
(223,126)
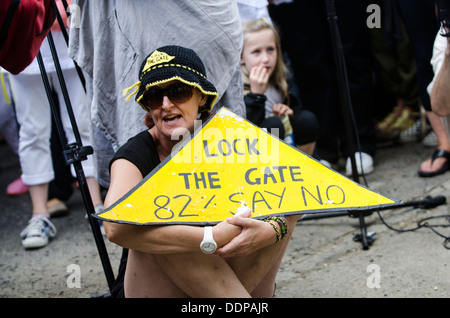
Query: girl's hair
(281,72)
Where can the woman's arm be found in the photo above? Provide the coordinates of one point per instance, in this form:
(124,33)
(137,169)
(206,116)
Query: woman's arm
(256,234)
(154,239)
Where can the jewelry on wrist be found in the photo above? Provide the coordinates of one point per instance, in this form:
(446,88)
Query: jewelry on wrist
(281,221)
(277,232)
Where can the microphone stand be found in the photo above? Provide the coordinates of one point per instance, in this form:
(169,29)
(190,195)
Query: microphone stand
(346,103)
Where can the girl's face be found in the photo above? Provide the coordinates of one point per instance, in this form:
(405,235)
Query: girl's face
(173,117)
(259,50)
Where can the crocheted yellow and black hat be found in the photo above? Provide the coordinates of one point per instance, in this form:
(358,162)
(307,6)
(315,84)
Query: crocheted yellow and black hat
(170,63)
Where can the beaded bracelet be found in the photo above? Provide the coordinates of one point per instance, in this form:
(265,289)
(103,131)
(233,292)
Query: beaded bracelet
(274,225)
(281,222)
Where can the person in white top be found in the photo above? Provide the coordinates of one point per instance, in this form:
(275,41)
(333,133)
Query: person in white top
(34,118)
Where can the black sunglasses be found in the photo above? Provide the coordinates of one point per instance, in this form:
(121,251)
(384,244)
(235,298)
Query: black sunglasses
(177,93)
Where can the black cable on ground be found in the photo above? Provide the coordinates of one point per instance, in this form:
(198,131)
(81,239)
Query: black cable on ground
(424,223)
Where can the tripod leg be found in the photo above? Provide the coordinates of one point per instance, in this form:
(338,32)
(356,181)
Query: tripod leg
(362,225)
(74,154)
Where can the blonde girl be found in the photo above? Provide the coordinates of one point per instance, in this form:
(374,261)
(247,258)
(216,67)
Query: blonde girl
(267,95)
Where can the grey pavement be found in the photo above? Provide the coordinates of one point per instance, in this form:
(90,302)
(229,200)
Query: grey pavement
(322,259)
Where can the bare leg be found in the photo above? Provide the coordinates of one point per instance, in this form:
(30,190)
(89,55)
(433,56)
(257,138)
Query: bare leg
(144,277)
(258,271)
(94,190)
(202,275)
(39,196)
(266,287)
(443,142)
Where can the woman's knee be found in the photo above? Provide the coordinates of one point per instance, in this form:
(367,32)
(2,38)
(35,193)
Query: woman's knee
(144,277)
(201,275)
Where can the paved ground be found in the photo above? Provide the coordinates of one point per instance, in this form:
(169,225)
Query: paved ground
(322,260)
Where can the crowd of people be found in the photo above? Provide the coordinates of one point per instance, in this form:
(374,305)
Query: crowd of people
(272,62)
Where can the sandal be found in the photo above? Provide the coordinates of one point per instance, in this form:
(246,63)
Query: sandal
(386,123)
(438,153)
(56,207)
(406,119)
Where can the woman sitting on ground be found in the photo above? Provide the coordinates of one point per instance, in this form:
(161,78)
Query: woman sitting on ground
(166,261)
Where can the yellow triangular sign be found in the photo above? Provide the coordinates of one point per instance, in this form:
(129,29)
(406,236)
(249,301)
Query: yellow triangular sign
(229,161)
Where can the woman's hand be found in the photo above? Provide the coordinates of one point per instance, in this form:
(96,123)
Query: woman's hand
(259,79)
(281,110)
(255,234)
(224,232)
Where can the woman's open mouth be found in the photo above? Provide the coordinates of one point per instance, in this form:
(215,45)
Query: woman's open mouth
(171,118)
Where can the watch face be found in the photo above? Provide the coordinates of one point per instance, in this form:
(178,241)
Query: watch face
(208,247)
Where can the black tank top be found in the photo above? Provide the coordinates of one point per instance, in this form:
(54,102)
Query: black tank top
(141,151)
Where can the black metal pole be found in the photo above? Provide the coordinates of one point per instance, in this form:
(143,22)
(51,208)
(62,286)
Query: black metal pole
(428,202)
(75,153)
(66,38)
(345,99)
